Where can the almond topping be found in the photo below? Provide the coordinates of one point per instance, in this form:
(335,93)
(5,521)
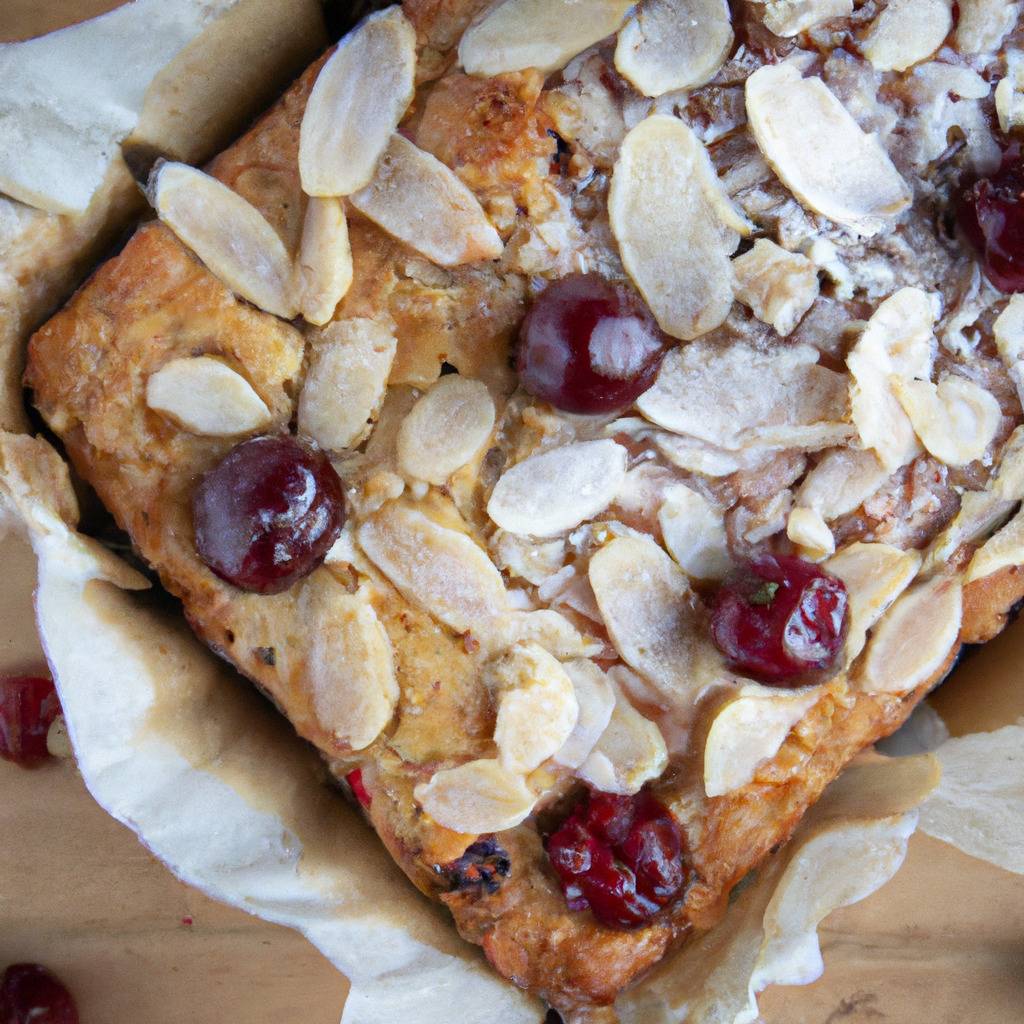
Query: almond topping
(595,696)
(674,44)
(1005,548)
(1008,331)
(1010,95)
(788,18)
(206,397)
(445,429)
(810,533)
(820,152)
(348,375)
(675,225)
(359,97)
(906,32)
(557,490)
(476,798)
(841,481)
(418,200)
(984,24)
(227,233)
(545,34)
(778,286)
(694,532)
(324,269)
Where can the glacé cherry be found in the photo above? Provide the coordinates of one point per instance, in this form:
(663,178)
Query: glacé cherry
(28,706)
(621,856)
(780,618)
(589,345)
(30,994)
(268,513)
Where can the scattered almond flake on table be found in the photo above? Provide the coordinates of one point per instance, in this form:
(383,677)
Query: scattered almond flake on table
(907,32)
(348,374)
(595,697)
(788,18)
(227,233)
(206,397)
(418,200)
(557,490)
(476,798)
(518,34)
(820,152)
(358,99)
(445,429)
(778,286)
(914,639)
(984,24)
(674,44)
(806,528)
(841,481)
(323,271)
(675,225)
(1004,548)
(694,533)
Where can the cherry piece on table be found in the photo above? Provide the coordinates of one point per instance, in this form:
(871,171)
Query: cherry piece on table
(30,994)
(28,706)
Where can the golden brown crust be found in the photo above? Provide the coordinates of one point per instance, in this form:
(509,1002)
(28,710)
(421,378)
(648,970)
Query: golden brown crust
(989,602)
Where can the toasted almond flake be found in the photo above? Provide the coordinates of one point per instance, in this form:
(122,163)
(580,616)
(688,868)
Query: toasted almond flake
(595,696)
(1009,96)
(789,18)
(980,513)
(841,481)
(694,532)
(437,568)
(345,385)
(914,639)
(736,395)
(1009,482)
(688,453)
(1003,549)
(983,24)
(778,286)
(477,797)
(359,97)
(820,152)
(675,226)
(748,730)
(1008,331)
(543,627)
(445,429)
(545,34)
(906,32)
(537,706)
(323,272)
(875,575)
(227,233)
(206,397)
(674,44)
(810,533)
(955,419)
(557,490)
(630,752)
(418,200)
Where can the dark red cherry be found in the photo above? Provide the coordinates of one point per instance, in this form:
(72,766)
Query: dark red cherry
(30,994)
(28,706)
(266,515)
(589,345)
(358,787)
(991,215)
(780,618)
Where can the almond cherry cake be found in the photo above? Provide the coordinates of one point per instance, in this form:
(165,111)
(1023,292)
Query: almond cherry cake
(591,423)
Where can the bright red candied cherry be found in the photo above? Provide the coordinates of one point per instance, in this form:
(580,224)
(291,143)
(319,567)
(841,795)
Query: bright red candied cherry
(30,994)
(589,345)
(991,214)
(28,706)
(619,856)
(780,618)
(266,515)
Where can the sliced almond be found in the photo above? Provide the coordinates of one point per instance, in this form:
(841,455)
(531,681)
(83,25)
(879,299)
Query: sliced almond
(694,533)
(595,696)
(228,234)
(206,397)
(788,18)
(980,513)
(875,575)
(1004,549)
(984,24)
(955,419)
(841,481)
(324,269)
(778,286)
(820,152)
(545,628)
(674,44)
(630,752)
(1008,331)
(557,490)
(1009,96)
(437,568)
(545,34)
(738,395)
(359,97)
(418,200)
(537,707)
(1009,482)
(348,375)
(749,730)
(477,797)
(914,639)
(675,226)
(445,429)
(810,533)
(697,456)
(906,32)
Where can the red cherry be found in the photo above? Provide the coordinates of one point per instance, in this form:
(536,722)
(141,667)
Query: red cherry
(268,513)
(589,345)
(780,618)
(358,787)
(28,706)
(30,994)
